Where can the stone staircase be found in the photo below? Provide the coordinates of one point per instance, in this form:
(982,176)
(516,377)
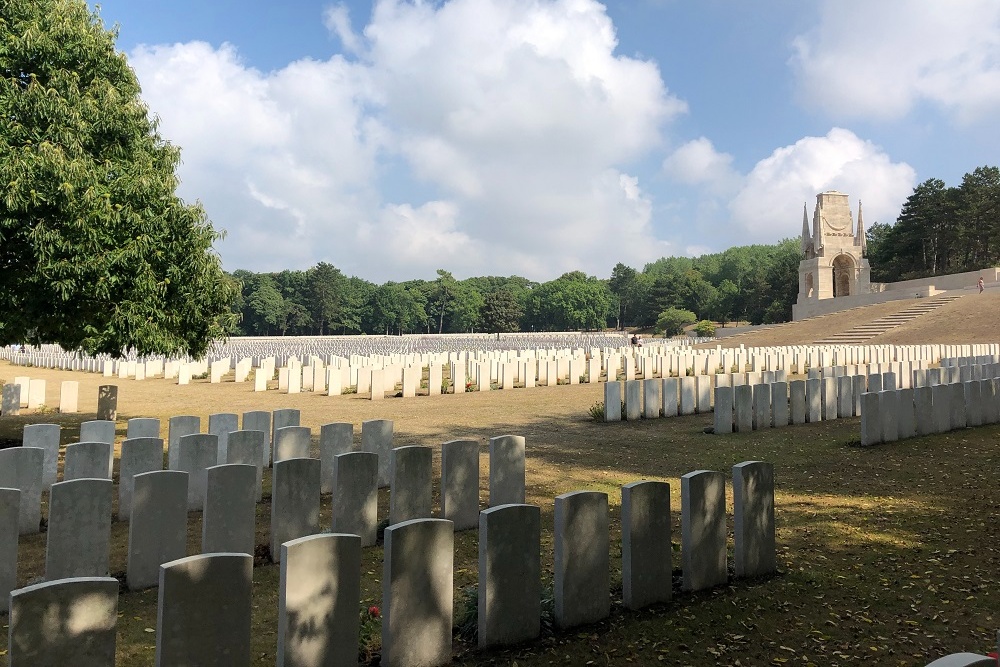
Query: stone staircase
(864,332)
(783,325)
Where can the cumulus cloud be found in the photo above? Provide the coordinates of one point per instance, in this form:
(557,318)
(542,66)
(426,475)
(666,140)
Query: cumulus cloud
(880,59)
(698,163)
(769,205)
(502,129)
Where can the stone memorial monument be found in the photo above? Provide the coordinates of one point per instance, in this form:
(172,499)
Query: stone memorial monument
(834,264)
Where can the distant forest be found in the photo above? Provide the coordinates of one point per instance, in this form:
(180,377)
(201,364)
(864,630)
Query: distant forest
(940,230)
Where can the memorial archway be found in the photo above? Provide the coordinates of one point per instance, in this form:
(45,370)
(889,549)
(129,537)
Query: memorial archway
(843,275)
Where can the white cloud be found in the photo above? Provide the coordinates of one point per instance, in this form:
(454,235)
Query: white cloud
(337,20)
(769,206)
(508,124)
(880,59)
(698,163)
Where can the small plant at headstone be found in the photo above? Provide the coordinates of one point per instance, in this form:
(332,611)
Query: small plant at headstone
(349,390)
(444,387)
(44,410)
(467,619)
(200,376)
(471,386)
(370,634)
(597,411)
(689,371)
(583,379)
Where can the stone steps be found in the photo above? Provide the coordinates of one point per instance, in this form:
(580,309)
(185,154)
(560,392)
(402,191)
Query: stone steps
(862,333)
(791,323)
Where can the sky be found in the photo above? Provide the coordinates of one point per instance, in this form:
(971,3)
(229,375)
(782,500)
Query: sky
(391,138)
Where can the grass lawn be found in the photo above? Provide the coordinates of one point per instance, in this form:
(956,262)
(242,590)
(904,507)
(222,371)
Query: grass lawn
(886,555)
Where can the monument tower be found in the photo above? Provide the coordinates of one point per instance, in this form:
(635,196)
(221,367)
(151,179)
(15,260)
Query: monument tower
(834,264)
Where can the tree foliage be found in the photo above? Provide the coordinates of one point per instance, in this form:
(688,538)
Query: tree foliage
(501,312)
(97,252)
(573,301)
(758,283)
(671,322)
(940,230)
(705,328)
(325,292)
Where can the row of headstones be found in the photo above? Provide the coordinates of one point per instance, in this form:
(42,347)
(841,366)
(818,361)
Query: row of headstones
(748,408)
(745,402)
(472,372)
(898,414)
(825,397)
(29,393)
(653,398)
(482,376)
(345,346)
(142,451)
(814,356)
(205,602)
(974,360)
(792,358)
(157,501)
(52,356)
(817,361)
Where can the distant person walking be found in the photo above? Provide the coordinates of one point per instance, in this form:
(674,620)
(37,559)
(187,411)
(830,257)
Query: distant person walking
(980,284)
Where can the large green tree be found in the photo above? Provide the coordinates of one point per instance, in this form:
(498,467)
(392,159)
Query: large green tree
(264,307)
(501,312)
(97,252)
(325,288)
(671,322)
(442,296)
(624,285)
(571,302)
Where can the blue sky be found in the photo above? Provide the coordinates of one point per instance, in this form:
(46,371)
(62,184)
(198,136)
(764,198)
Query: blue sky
(533,137)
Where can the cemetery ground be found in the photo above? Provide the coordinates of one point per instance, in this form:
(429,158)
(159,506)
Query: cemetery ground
(886,555)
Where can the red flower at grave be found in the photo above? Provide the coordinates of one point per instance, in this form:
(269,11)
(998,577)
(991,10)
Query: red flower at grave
(374,611)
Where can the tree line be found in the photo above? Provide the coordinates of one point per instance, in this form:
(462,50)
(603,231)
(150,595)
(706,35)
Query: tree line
(940,230)
(755,283)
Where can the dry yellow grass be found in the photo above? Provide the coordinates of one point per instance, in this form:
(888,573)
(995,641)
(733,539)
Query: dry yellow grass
(972,319)
(808,331)
(975,318)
